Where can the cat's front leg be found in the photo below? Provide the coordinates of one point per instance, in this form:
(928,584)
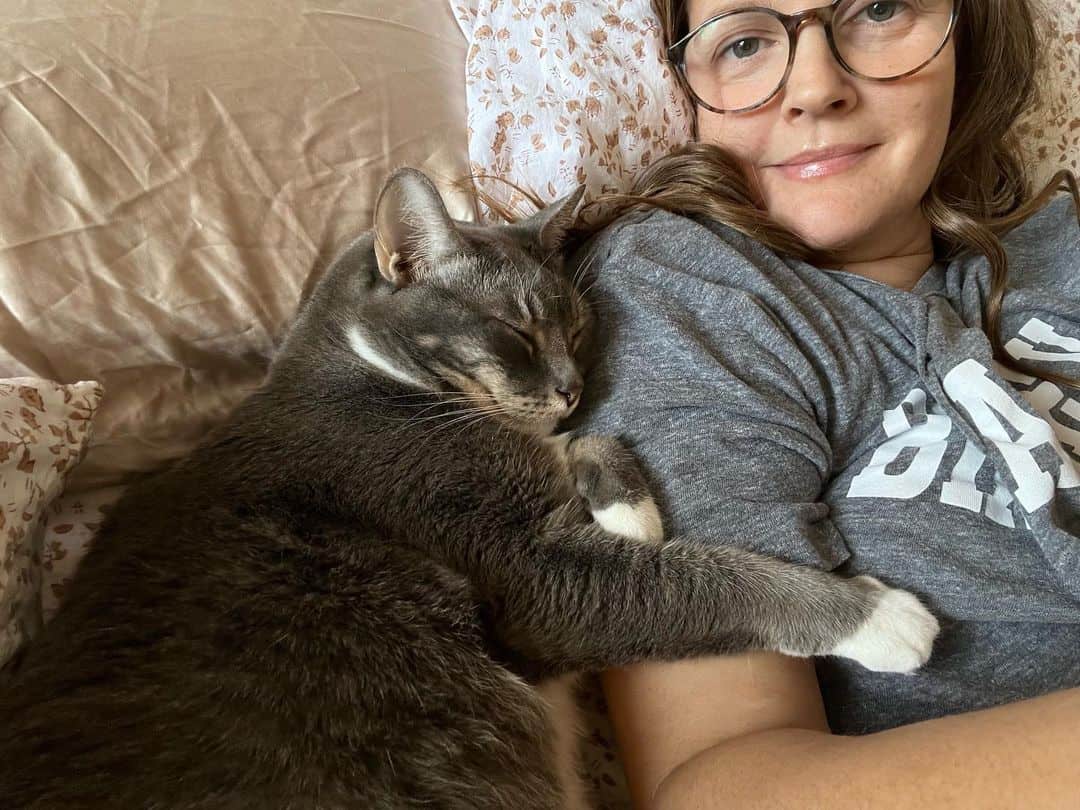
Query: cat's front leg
(751,601)
(608,476)
(583,599)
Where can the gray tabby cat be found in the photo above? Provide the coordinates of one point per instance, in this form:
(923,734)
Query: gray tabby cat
(371,586)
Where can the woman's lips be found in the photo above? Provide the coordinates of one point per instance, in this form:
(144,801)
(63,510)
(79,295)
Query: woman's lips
(814,168)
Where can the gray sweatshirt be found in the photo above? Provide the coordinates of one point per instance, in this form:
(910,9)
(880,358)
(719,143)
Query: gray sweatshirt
(833,420)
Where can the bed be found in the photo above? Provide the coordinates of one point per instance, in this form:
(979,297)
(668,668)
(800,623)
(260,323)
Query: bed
(178,172)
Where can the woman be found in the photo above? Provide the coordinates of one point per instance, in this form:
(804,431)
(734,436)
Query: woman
(813,352)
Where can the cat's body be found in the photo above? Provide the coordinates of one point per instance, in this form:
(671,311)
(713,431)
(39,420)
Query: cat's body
(342,600)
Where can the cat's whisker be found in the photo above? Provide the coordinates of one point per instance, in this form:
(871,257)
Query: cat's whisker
(415,420)
(585,292)
(430,405)
(411,395)
(487,409)
(426,406)
(471,415)
(583,268)
(599,305)
(435,399)
(489,417)
(480,418)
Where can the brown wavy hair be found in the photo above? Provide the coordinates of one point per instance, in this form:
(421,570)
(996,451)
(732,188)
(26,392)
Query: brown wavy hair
(980,191)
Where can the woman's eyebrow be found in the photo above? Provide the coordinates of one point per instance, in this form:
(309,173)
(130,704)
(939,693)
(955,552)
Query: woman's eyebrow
(720,6)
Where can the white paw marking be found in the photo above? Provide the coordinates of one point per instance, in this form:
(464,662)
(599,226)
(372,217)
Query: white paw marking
(640,521)
(897,637)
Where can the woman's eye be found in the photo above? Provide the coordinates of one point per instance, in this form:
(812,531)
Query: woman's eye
(745,48)
(881,12)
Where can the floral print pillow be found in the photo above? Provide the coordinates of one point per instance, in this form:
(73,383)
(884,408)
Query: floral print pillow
(70,525)
(1050,132)
(44,431)
(564,92)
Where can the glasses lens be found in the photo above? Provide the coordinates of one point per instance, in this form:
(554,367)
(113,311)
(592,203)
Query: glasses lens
(737,61)
(888,38)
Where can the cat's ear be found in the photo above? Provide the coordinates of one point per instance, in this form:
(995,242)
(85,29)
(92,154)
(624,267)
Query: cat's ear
(549,227)
(413,230)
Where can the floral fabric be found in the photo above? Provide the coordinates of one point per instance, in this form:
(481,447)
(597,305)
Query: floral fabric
(1050,133)
(44,429)
(565,92)
(70,523)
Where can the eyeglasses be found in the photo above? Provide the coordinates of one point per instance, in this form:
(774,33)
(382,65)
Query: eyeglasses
(739,60)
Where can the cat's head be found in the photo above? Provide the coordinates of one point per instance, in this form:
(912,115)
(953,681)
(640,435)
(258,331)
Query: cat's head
(487,312)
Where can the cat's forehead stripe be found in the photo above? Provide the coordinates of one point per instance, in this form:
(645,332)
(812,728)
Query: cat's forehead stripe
(367,352)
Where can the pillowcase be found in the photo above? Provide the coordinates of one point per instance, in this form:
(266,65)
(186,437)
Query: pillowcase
(563,92)
(567,92)
(44,431)
(1050,132)
(72,520)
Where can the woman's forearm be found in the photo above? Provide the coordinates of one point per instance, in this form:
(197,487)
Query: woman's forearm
(1023,755)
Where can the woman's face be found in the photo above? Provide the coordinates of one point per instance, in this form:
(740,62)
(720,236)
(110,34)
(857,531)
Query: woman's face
(861,206)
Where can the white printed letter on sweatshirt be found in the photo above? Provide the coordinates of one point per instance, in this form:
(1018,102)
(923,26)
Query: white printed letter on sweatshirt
(998,418)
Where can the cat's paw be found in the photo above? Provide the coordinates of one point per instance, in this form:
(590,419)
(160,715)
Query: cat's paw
(898,636)
(609,478)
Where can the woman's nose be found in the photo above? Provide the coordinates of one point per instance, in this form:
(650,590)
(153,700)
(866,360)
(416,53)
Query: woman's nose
(818,84)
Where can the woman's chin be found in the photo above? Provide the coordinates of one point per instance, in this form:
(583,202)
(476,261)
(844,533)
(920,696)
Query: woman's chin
(827,234)
(828,215)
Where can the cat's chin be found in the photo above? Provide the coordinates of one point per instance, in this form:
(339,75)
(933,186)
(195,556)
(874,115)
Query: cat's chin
(541,428)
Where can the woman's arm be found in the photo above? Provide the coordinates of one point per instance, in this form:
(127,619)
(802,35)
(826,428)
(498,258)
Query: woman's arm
(749,732)
(667,714)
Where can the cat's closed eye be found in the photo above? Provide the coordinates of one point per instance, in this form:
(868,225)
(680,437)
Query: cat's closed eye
(518,333)
(576,336)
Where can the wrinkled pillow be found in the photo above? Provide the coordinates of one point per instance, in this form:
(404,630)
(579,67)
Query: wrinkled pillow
(44,430)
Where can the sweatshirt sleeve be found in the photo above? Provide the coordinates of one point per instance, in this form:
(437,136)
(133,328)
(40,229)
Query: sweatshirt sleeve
(693,372)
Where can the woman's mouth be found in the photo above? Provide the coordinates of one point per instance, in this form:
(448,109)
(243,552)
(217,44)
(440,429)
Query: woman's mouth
(817,163)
